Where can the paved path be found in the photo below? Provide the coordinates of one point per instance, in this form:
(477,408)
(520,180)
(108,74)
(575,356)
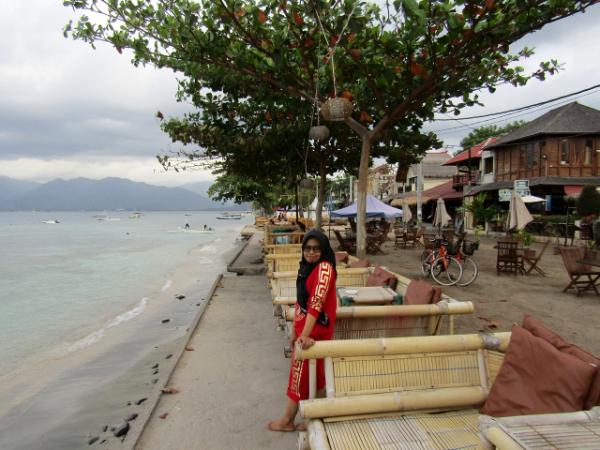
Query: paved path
(234,380)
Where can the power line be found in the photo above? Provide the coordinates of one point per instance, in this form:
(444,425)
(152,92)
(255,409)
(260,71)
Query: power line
(505,116)
(521,108)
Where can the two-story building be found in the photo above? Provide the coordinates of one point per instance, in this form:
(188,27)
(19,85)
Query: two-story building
(558,153)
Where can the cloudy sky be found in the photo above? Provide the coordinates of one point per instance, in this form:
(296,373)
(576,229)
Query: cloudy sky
(69,111)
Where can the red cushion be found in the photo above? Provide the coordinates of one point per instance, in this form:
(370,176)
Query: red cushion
(361,263)
(341,257)
(538,329)
(536,378)
(381,277)
(420,292)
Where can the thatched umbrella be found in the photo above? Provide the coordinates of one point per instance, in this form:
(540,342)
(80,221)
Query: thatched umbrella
(441,218)
(406,214)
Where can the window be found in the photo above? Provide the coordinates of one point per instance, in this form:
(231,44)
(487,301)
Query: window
(488,165)
(529,161)
(587,153)
(564,151)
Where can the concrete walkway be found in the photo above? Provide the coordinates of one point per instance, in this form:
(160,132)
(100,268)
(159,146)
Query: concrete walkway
(234,380)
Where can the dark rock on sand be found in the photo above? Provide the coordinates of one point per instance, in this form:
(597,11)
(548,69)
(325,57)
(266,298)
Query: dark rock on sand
(103,441)
(198,304)
(169,355)
(121,430)
(128,403)
(92,440)
(155,381)
(131,417)
(155,372)
(180,297)
(141,400)
(165,320)
(105,427)
(155,366)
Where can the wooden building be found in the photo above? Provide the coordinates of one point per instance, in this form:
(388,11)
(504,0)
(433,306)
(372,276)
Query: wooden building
(564,142)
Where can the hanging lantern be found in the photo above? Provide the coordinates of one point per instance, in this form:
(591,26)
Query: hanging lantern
(319,133)
(336,109)
(307,184)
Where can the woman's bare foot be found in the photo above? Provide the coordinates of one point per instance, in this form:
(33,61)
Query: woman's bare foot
(281,425)
(301,426)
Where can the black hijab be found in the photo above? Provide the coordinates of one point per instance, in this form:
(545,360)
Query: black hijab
(327,254)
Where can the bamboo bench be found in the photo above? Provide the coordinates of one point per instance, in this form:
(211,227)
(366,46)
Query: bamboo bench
(278,249)
(289,262)
(413,392)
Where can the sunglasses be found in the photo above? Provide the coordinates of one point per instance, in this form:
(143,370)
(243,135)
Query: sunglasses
(314,248)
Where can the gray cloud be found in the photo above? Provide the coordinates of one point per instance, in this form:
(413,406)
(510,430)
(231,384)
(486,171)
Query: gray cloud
(61,101)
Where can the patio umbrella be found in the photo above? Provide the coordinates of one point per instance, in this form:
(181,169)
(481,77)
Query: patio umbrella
(441,217)
(375,208)
(406,214)
(532,199)
(518,215)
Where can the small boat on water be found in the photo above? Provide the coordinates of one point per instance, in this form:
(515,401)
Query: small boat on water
(50,221)
(229,216)
(191,230)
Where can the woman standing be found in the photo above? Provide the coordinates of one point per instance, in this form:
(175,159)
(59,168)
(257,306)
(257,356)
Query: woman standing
(314,320)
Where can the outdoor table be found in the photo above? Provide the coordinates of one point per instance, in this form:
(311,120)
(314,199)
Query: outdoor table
(370,295)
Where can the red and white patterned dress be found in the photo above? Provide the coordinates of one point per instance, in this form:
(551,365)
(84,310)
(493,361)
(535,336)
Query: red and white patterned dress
(321,285)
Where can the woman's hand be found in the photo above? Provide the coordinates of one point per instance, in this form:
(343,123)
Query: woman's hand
(305,342)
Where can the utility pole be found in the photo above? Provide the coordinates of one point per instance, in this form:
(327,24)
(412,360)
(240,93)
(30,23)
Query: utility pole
(420,192)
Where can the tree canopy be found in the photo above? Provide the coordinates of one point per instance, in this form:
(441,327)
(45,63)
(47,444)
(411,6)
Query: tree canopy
(398,64)
(482,133)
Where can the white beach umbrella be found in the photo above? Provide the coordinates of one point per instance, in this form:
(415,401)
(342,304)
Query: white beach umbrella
(518,215)
(441,217)
(406,214)
(532,199)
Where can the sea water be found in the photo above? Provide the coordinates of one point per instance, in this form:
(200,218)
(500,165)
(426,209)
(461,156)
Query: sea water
(70,287)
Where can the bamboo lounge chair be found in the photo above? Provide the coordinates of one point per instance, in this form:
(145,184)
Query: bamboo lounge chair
(277,249)
(414,392)
(289,262)
(576,430)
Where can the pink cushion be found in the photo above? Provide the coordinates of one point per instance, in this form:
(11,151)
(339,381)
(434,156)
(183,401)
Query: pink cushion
(381,277)
(536,378)
(341,257)
(538,329)
(361,263)
(420,292)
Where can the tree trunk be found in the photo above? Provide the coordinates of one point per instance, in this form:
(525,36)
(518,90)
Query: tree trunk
(321,195)
(361,198)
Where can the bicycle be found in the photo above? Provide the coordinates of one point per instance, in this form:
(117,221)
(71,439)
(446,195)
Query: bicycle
(437,262)
(470,269)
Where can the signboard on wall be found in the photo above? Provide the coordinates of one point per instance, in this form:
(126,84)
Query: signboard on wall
(504,195)
(521,187)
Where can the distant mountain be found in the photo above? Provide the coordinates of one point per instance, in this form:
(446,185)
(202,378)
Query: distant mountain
(201,187)
(11,189)
(106,194)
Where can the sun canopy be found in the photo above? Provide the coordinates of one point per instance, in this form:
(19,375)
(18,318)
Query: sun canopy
(532,199)
(375,208)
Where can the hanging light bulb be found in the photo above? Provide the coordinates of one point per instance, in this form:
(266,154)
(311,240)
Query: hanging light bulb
(319,133)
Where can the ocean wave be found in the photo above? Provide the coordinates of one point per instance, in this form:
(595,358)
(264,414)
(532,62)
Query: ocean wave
(95,336)
(209,249)
(166,286)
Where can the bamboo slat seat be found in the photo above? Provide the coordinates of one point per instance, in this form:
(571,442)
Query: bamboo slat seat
(389,393)
(567,431)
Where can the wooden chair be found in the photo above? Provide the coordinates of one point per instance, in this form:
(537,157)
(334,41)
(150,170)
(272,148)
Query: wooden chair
(399,238)
(346,245)
(533,262)
(583,276)
(509,258)
(428,241)
(411,237)
(374,243)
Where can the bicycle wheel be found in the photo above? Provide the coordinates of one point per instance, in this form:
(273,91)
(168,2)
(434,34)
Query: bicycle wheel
(469,271)
(446,271)
(426,262)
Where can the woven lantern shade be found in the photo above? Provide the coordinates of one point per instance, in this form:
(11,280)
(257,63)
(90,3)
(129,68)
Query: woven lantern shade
(319,133)
(307,184)
(336,109)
